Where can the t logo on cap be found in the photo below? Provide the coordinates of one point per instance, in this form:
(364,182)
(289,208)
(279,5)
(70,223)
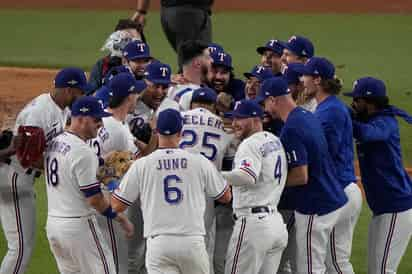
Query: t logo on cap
(141,47)
(222,56)
(84,110)
(164,71)
(259,69)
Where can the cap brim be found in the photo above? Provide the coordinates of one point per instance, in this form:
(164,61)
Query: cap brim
(303,70)
(87,89)
(222,65)
(139,57)
(160,81)
(248,75)
(103,114)
(233,114)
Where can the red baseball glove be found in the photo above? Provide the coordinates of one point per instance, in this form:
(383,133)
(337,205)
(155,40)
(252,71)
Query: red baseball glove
(30,145)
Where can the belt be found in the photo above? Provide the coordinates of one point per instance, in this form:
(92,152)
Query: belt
(29,171)
(257,209)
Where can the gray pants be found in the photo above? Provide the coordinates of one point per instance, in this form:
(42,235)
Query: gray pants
(185,23)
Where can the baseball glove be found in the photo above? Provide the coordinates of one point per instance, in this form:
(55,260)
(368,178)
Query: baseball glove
(30,144)
(115,166)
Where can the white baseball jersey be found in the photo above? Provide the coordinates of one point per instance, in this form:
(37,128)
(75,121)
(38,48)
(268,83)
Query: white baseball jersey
(172,185)
(182,94)
(43,112)
(114,135)
(262,156)
(71,167)
(203,133)
(144,114)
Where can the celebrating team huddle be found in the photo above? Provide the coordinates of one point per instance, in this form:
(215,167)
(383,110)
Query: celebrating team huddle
(223,175)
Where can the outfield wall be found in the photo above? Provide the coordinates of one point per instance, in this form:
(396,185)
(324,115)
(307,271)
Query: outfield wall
(340,6)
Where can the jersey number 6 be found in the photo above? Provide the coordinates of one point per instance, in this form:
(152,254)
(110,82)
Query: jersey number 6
(173,195)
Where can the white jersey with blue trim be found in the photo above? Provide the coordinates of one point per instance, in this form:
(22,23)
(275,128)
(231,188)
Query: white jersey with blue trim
(172,185)
(70,170)
(203,133)
(144,114)
(182,94)
(262,156)
(114,136)
(41,112)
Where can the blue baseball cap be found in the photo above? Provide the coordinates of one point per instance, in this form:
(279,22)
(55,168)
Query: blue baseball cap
(214,47)
(246,109)
(124,84)
(158,73)
(136,50)
(72,78)
(275,86)
(221,58)
(274,45)
(114,71)
(293,73)
(169,122)
(259,72)
(367,87)
(103,95)
(204,95)
(318,66)
(300,46)
(89,106)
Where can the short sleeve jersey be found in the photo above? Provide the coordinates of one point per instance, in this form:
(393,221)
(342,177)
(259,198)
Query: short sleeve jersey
(262,156)
(70,169)
(172,185)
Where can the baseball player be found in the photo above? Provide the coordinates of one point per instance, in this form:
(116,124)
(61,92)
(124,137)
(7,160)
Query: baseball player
(254,79)
(157,79)
(299,49)
(137,55)
(376,131)
(115,135)
(319,198)
(271,54)
(203,133)
(319,78)
(74,194)
(221,77)
(17,202)
(196,61)
(258,179)
(173,209)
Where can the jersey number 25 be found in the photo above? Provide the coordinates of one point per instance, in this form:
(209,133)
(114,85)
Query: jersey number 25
(191,139)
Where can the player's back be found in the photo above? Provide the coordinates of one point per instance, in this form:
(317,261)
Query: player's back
(113,136)
(203,133)
(68,160)
(172,187)
(262,156)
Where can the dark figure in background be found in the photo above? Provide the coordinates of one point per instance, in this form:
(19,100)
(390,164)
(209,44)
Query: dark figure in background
(181,20)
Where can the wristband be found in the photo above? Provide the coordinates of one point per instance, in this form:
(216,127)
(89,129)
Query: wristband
(142,12)
(112,185)
(109,213)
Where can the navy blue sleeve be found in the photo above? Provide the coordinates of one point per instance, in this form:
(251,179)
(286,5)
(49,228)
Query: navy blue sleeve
(333,122)
(295,148)
(376,130)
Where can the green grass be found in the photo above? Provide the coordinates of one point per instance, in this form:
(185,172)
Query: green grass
(376,45)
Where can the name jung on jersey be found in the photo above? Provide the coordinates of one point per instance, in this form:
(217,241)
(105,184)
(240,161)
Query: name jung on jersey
(172,164)
(201,120)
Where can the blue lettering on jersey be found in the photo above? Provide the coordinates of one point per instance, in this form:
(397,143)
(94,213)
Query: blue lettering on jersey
(172,164)
(201,120)
(58,147)
(269,147)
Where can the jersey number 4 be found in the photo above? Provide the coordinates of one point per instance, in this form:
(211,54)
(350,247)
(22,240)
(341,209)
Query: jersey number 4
(278,169)
(51,171)
(191,139)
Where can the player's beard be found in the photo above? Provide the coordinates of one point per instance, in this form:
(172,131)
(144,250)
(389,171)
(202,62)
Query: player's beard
(220,85)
